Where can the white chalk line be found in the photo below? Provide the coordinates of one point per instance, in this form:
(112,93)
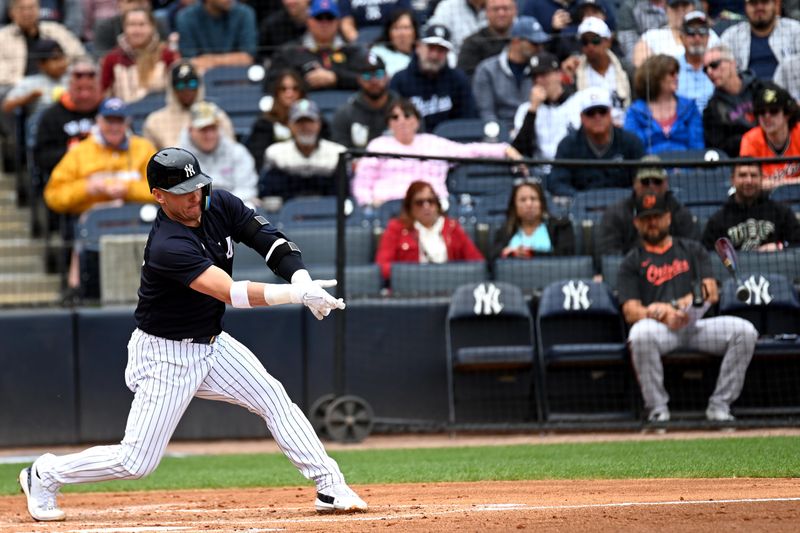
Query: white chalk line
(419,511)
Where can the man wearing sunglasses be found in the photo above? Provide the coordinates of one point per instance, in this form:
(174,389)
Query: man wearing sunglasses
(616,233)
(777,135)
(321,55)
(692,80)
(363,116)
(764,40)
(729,113)
(163,126)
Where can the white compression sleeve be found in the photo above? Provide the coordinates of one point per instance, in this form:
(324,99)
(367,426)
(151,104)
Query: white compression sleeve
(239,296)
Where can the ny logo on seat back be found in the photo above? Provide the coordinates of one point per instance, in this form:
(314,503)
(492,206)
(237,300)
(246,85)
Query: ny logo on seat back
(576,296)
(189,169)
(759,291)
(487,299)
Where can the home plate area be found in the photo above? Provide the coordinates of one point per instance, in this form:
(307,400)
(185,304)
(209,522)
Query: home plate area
(696,505)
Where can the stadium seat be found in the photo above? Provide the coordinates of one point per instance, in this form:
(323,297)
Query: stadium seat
(313,211)
(610,269)
(329,101)
(590,204)
(583,357)
(139,109)
(490,355)
(318,244)
(229,77)
(429,279)
(788,194)
(479,180)
(468,130)
(785,262)
(368,34)
(533,275)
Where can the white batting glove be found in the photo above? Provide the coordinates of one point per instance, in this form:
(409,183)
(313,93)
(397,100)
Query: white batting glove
(313,295)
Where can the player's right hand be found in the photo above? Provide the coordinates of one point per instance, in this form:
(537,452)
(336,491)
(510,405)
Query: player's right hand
(313,295)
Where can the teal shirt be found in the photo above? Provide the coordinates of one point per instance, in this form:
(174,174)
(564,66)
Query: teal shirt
(538,241)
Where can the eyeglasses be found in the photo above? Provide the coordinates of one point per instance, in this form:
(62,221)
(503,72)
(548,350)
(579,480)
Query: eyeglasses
(187,84)
(419,202)
(656,182)
(714,65)
(84,74)
(695,32)
(592,111)
(374,75)
(596,40)
(753,2)
(325,17)
(772,110)
(287,88)
(396,116)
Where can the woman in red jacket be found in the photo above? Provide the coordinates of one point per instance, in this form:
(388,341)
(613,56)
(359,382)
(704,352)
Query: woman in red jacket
(423,234)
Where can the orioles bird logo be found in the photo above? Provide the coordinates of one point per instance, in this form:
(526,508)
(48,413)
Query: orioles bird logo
(649,201)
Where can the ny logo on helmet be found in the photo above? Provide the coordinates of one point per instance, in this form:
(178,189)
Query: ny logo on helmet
(189,169)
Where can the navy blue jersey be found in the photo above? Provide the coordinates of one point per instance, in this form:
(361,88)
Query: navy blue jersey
(175,256)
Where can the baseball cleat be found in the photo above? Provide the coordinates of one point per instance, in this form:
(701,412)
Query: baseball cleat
(42,504)
(339,498)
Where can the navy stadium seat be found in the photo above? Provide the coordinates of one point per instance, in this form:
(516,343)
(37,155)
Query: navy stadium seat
(428,279)
(532,275)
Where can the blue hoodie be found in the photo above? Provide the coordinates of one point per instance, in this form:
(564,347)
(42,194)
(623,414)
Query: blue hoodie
(686,133)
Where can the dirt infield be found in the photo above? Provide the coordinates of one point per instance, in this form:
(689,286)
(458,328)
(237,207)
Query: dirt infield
(624,505)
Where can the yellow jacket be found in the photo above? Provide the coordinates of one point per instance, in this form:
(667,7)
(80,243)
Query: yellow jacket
(91,159)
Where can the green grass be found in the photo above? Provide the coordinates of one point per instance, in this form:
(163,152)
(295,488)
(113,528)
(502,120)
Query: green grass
(701,458)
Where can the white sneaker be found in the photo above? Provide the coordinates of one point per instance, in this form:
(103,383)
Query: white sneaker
(339,498)
(719,414)
(658,416)
(42,503)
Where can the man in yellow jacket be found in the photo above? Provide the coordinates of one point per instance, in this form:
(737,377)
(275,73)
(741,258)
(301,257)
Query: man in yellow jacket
(106,169)
(108,166)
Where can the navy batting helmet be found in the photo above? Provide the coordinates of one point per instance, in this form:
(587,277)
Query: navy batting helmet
(177,171)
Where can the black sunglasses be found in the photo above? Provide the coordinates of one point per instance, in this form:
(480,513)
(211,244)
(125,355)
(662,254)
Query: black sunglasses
(592,111)
(771,110)
(84,74)
(714,65)
(325,17)
(419,202)
(396,116)
(652,181)
(693,32)
(596,40)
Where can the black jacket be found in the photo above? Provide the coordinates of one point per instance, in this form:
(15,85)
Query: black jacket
(482,44)
(561,234)
(750,226)
(58,128)
(357,111)
(729,116)
(616,233)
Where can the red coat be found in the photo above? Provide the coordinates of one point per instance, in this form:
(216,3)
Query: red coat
(402,245)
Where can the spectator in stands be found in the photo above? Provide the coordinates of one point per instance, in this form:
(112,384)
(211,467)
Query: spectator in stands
(729,113)
(596,139)
(227,161)
(599,67)
(107,168)
(163,126)
(36,92)
(217,33)
(530,230)
(140,62)
(663,120)
(19,37)
(380,179)
(667,40)
(550,113)
(283,26)
(462,18)
(70,13)
(692,80)
(764,40)
(777,134)
(750,219)
(787,75)
(304,164)
(439,92)
(321,56)
(616,233)
(107,30)
(635,17)
(93,11)
(64,124)
(656,283)
(423,233)
(565,44)
(491,39)
(396,44)
(561,18)
(363,117)
(364,13)
(502,82)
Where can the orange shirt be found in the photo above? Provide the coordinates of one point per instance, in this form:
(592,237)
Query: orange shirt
(754,144)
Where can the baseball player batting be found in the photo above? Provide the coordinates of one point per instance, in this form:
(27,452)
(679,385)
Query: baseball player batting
(179,350)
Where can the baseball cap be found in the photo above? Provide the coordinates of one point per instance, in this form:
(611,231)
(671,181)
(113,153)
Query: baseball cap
(113,107)
(650,203)
(438,35)
(581,3)
(184,73)
(544,62)
(528,28)
(594,97)
(594,25)
(695,16)
(204,114)
(368,62)
(651,172)
(771,95)
(47,49)
(303,109)
(322,7)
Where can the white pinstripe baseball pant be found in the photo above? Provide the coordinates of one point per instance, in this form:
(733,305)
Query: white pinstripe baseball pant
(732,337)
(165,375)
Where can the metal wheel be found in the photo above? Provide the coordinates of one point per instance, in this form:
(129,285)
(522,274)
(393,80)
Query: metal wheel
(348,419)
(316,415)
